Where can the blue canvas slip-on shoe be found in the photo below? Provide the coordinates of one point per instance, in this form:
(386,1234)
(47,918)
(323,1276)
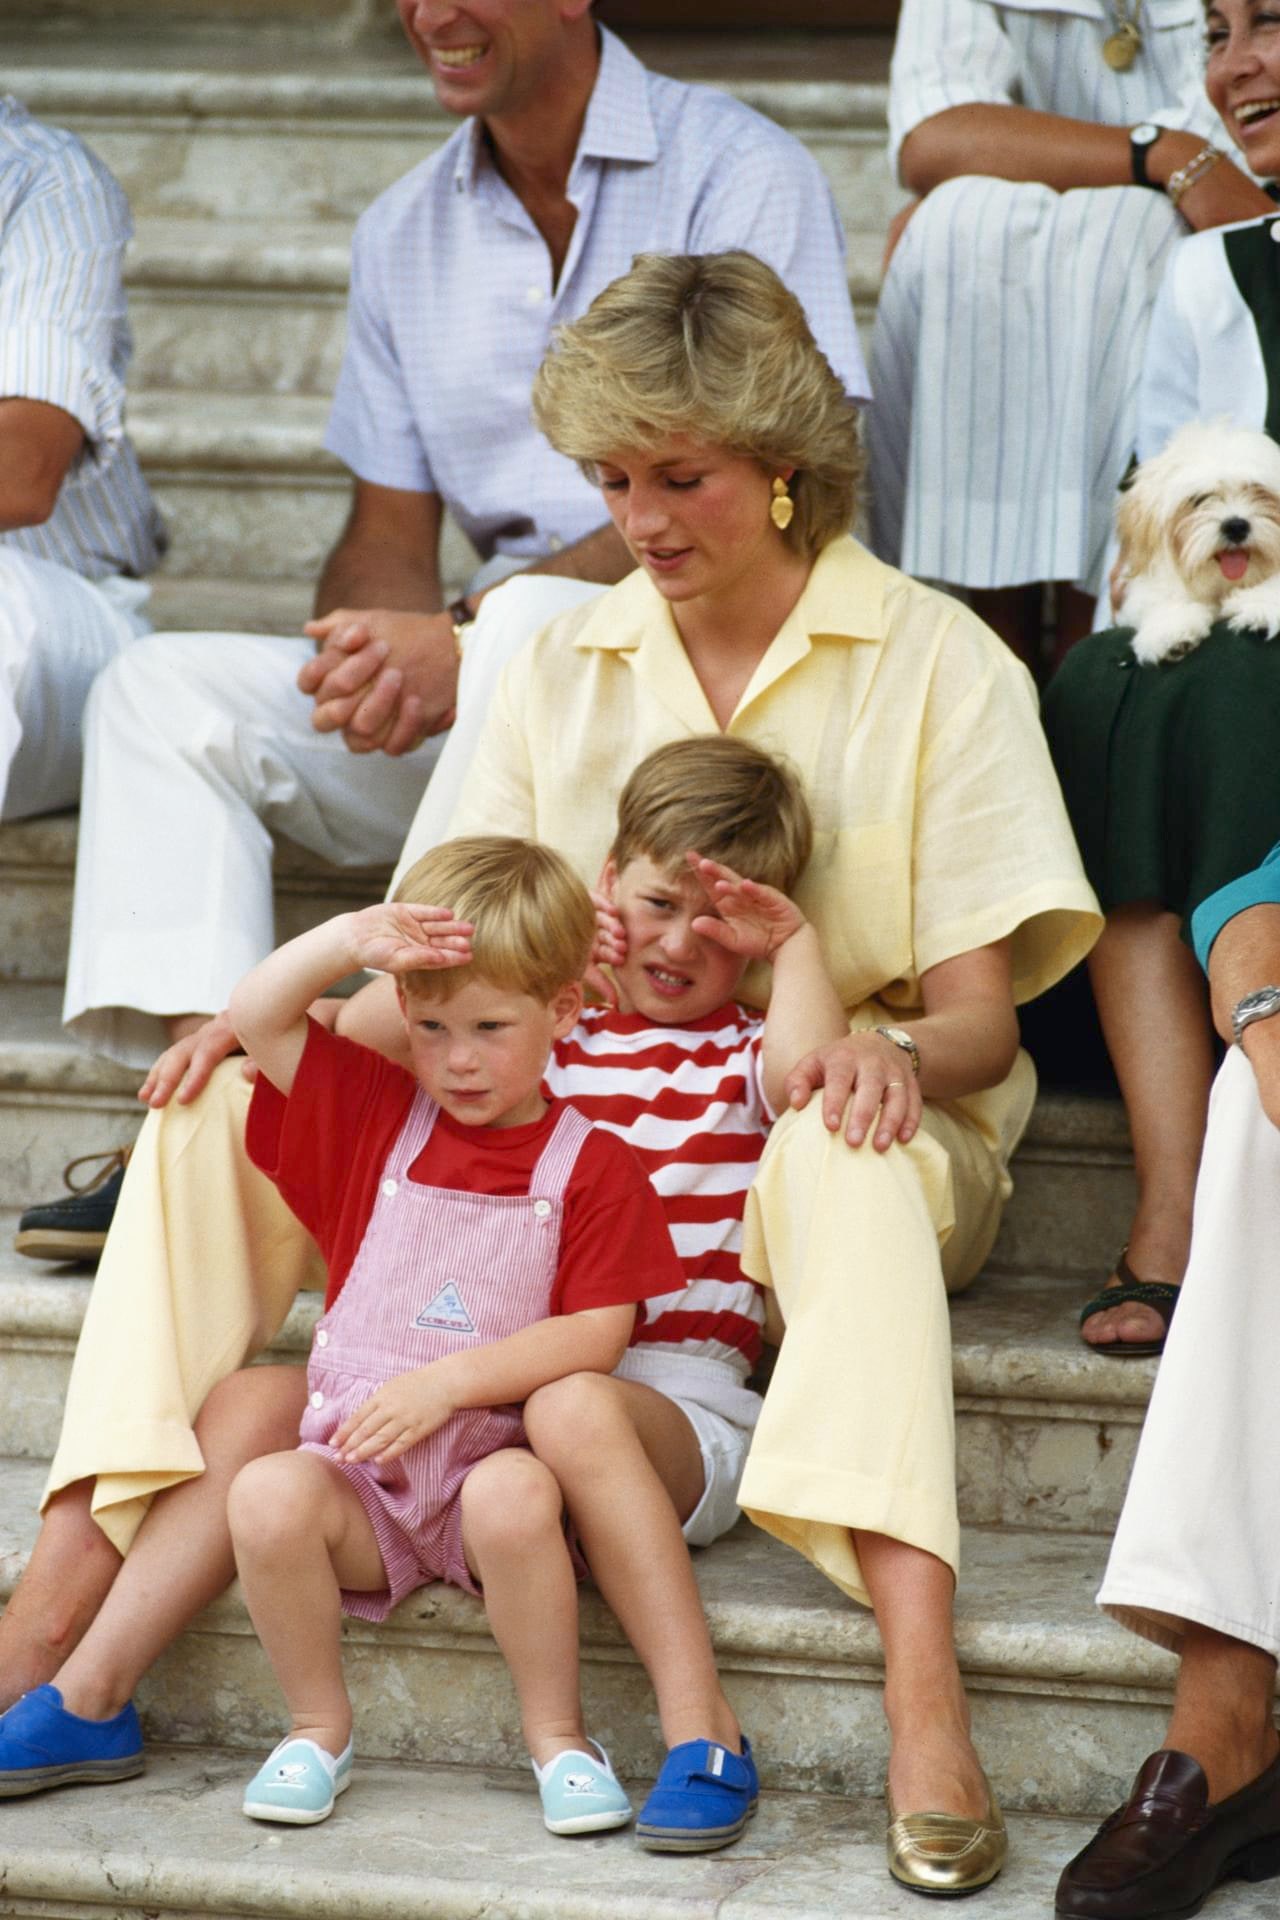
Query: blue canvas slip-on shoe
(298,1783)
(581,1793)
(43,1744)
(702,1799)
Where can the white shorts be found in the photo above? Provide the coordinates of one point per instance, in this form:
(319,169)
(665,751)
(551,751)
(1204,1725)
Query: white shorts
(722,1413)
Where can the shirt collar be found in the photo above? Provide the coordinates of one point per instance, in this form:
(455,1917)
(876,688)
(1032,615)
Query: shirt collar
(619,123)
(843,601)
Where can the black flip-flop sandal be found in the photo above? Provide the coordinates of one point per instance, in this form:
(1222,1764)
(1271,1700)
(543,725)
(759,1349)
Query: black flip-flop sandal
(1160,1295)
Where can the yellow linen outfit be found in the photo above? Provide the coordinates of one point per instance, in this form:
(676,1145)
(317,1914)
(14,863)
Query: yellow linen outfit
(939,827)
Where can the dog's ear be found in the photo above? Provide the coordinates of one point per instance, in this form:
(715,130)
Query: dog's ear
(1138,529)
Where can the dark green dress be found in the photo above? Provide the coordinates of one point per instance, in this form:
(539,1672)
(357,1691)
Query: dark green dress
(1171,773)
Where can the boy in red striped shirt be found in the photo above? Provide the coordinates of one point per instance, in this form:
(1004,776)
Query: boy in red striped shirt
(712,837)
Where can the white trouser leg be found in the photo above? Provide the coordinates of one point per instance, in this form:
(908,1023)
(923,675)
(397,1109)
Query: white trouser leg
(1199,1537)
(196,747)
(508,616)
(57,632)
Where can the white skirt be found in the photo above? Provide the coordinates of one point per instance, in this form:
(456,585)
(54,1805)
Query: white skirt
(1005,363)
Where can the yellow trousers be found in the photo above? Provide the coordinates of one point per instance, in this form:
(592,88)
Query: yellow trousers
(202,1264)
(204,1261)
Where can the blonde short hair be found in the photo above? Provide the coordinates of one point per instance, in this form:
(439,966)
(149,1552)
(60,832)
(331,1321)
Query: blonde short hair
(715,347)
(720,797)
(534,922)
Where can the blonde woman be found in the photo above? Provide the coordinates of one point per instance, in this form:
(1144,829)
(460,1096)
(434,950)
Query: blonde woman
(944,886)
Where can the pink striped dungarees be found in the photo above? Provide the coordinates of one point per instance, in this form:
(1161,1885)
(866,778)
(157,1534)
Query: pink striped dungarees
(439,1269)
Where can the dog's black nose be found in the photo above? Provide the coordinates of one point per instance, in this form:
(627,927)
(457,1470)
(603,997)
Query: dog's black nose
(1236,531)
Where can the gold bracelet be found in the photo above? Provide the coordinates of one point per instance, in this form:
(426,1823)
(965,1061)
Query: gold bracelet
(1184,178)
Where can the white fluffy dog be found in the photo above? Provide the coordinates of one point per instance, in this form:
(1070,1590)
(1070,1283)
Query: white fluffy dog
(1200,540)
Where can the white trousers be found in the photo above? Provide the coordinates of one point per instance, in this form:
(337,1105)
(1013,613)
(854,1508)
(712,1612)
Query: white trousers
(1199,1536)
(1005,363)
(57,632)
(197,747)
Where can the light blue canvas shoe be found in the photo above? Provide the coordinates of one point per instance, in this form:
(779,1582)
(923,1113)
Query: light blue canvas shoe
(298,1784)
(580,1792)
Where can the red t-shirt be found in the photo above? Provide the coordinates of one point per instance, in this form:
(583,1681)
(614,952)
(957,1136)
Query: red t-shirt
(326,1144)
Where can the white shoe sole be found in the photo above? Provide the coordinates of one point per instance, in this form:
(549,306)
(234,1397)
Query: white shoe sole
(294,1816)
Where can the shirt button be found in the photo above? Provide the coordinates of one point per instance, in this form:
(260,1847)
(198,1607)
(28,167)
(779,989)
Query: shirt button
(555,543)
(317,1399)
(542,1208)
(534,296)
(322,1338)
(388,1187)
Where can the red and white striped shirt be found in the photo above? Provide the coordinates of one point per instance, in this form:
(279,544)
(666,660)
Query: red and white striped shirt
(689,1101)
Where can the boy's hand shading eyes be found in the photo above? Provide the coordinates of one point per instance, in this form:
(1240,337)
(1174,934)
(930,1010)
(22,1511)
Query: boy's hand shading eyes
(402,1412)
(398,938)
(750,919)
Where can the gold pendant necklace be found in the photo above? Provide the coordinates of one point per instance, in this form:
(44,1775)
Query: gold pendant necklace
(1121,48)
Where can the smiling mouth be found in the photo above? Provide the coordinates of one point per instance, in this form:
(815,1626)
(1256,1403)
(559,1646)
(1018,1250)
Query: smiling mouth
(1251,111)
(1234,562)
(456,58)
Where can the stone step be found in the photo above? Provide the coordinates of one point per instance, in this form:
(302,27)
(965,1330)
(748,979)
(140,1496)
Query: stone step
(457,1843)
(1073,1175)
(1065,1702)
(246,488)
(37,862)
(272,127)
(1046,1431)
(258,306)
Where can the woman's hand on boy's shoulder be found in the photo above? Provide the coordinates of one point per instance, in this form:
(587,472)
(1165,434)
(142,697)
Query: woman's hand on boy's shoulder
(402,1412)
(397,937)
(750,919)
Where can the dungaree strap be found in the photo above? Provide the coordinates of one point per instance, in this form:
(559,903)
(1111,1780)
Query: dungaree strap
(413,1136)
(558,1158)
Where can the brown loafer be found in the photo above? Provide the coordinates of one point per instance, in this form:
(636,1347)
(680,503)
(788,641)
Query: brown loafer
(1160,1856)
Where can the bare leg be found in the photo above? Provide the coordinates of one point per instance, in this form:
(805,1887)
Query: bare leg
(1140,964)
(68,1577)
(182,1558)
(1017,615)
(933,1766)
(513,1536)
(601,1438)
(300,1534)
(1223,1709)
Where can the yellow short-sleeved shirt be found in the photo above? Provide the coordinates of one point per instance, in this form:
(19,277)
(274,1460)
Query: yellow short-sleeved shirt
(938,822)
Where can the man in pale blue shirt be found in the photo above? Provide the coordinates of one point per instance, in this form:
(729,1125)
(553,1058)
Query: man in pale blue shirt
(572,159)
(1195,1565)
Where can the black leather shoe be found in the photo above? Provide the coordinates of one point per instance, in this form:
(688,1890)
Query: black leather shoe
(1160,1856)
(75,1228)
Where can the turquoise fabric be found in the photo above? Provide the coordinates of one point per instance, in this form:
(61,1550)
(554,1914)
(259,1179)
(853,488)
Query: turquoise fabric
(1257,889)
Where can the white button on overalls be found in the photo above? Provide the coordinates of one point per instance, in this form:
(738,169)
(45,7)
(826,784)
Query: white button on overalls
(389,1187)
(542,1208)
(317,1399)
(322,1338)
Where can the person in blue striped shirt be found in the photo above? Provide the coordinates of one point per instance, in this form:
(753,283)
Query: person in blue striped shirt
(78,530)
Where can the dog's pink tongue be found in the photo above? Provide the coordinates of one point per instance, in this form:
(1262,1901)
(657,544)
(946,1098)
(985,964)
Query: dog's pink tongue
(1234,563)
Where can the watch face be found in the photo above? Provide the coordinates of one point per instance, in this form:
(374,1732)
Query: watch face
(1145,134)
(1264,1000)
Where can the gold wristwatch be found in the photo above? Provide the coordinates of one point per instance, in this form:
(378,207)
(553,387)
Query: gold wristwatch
(901,1038)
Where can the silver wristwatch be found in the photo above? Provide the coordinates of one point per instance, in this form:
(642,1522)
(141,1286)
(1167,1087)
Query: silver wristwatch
(901,1038)
(1258,1005)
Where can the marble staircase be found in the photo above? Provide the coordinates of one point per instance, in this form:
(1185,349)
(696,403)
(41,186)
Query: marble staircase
(249,134)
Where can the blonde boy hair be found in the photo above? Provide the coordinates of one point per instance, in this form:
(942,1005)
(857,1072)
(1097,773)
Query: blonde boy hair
(711,346)
(534,922)
(720,797)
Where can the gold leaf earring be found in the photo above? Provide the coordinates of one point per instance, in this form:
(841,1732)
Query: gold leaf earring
(782,506)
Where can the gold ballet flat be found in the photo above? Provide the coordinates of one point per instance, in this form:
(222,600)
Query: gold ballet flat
(945,1853)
